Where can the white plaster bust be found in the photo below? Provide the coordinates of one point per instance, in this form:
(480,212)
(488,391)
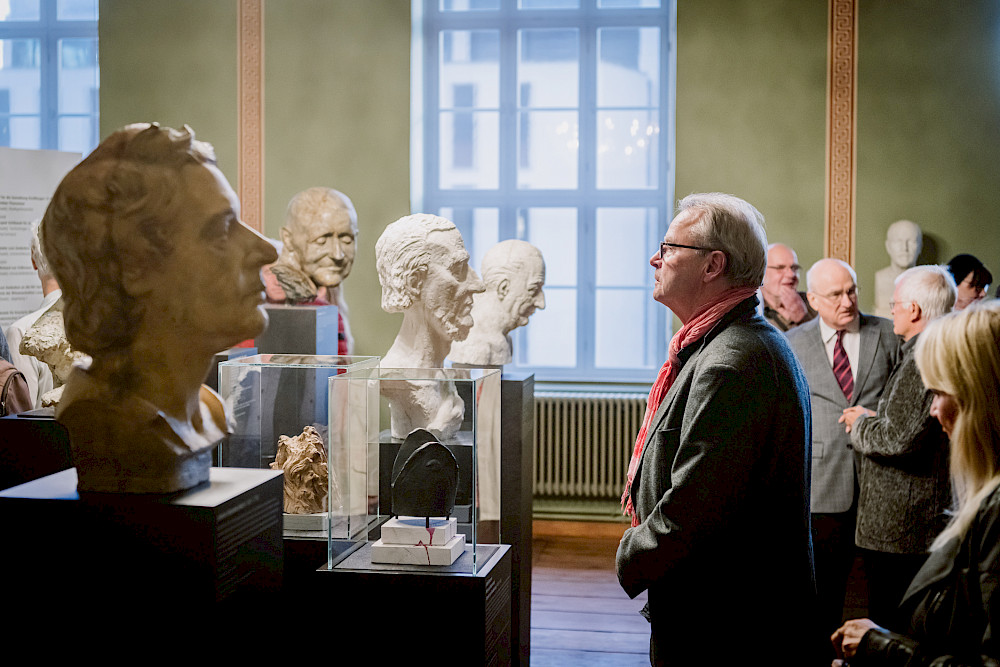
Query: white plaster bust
(514,273)
(319,236)
(46,341)
(424,271)
(158,274)
(903,241)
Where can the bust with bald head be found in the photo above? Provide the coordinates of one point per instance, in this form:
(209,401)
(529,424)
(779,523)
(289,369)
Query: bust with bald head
(514,273)
(903,242)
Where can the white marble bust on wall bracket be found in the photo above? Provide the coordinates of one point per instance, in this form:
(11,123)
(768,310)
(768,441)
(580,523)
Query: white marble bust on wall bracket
(903,242)
(158,274)
(514,273)
(424,272)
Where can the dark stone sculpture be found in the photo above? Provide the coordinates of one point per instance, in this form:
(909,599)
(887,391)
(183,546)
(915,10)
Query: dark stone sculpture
(424,477)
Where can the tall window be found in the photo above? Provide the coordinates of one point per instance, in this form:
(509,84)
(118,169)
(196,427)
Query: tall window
(49,77)
(551,121)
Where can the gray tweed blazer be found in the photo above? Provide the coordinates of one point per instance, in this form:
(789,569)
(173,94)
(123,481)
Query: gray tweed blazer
(905,488)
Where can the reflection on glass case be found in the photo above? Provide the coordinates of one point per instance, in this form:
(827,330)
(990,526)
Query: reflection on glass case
(286,420)
(433,437)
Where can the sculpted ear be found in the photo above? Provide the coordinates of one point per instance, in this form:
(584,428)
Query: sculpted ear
(415,281)
(502,288)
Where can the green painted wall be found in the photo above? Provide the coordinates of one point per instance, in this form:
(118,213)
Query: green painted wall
(928,129)
(173,63)
(337,91)
(751,100)
(338,115)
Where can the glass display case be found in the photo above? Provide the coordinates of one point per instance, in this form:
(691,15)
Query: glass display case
(285,419)
(433,438)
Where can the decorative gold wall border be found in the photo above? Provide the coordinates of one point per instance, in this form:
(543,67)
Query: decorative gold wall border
(841,130)
(250,141)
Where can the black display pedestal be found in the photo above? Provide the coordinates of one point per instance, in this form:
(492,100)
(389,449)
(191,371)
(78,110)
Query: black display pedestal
(517,435)
(299,330)
(34,445)
(423,613)
(131,561)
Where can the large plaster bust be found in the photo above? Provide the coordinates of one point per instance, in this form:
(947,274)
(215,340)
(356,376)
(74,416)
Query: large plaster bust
(514,273)
(158,274)
(903,241)
(318,239)
(424,271)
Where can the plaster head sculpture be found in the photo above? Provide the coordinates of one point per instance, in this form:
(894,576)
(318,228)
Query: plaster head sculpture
(158,274)
(424,271)
(321,228)
(46,341)
(903,242)
(514,273)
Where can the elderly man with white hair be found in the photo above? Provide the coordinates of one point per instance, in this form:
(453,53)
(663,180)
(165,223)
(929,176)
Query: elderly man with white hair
(903,472)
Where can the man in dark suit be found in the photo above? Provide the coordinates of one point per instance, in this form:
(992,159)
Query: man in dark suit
(905,489)
(847,357)
(719,479)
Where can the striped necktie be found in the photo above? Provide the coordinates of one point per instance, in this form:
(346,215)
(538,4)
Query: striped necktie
(842,367)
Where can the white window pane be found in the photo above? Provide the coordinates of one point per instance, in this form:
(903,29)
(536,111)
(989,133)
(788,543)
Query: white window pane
(19,10)
(25,132)
(78,80)
(480,229)
(627,149)
(550,337)
(76,10)
(619,334)
(468,5)
(469,146)
(554,232)
(627,4)
(469,61)
(626,239)
(77,134)
(21,74)
(628,73)
(547,150)
(548,4)
(548,66)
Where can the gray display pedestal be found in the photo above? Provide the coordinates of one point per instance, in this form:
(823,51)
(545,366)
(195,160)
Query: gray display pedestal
(132,559)
(299,330)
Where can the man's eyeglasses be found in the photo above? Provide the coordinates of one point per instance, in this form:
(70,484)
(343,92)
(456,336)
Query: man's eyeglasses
(836,297)
(665,245)
(782,267)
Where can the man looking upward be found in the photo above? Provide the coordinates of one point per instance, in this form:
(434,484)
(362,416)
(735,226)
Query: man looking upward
(718,485)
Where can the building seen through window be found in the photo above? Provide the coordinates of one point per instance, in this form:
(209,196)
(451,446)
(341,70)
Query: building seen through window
(49,78)
(551,121)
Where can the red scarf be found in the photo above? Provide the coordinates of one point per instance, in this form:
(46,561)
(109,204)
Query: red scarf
(700,324)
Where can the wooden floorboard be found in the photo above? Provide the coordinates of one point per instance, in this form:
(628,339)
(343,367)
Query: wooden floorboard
(579,613)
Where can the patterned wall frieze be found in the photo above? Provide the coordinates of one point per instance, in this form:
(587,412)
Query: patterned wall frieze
(250,64)
(841,130)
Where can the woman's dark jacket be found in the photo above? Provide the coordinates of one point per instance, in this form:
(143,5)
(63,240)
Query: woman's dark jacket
(951,606)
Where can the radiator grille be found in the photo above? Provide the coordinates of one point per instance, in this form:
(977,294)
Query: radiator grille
(583,442)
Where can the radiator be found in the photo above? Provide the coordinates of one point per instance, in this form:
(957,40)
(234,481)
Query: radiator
(583,442)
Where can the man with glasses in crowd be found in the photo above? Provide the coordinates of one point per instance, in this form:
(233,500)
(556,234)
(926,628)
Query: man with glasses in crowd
(783,305)
(848,357)
(718,483)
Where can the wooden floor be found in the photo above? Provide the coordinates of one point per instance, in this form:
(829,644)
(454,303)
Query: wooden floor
(579,613)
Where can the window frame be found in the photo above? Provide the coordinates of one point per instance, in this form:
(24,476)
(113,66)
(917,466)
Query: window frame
(49,30)
(427,195)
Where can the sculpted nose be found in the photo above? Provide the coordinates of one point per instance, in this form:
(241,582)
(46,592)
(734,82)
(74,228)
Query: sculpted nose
(475,284)
(540,301)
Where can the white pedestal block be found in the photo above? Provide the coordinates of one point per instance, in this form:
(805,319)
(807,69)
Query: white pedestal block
(410,531)
(398,554)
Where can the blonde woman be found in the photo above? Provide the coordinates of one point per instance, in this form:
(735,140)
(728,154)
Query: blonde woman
(946,616)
